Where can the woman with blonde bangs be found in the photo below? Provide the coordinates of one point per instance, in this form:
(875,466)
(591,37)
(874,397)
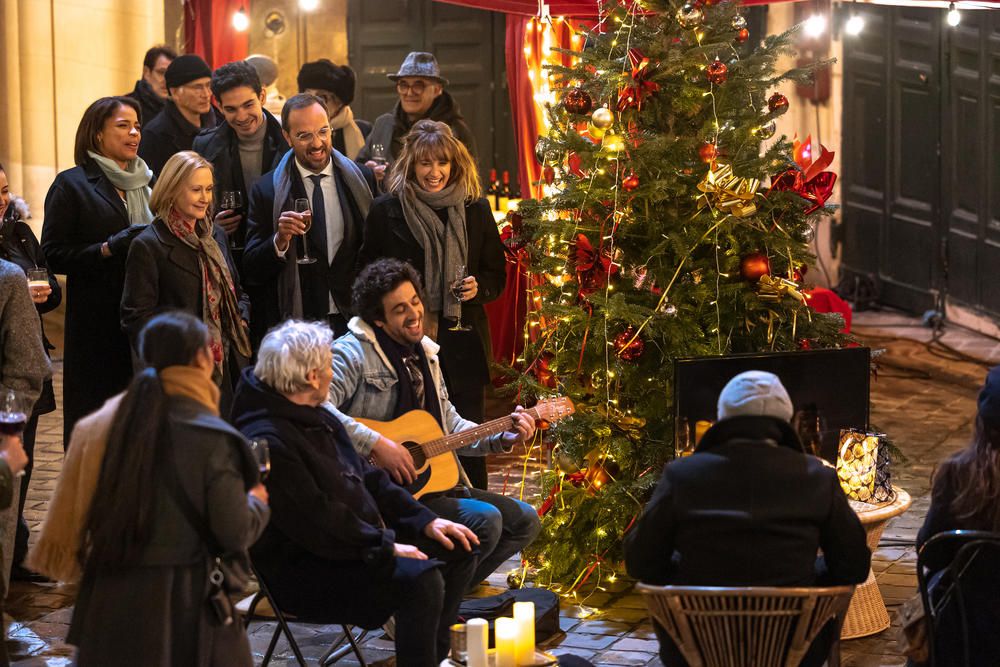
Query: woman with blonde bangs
(435,217)
(183,262)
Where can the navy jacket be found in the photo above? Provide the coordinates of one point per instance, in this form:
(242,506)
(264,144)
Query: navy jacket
(168,133)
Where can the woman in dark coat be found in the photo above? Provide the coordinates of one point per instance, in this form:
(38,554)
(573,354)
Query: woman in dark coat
(434,216)
(19,245)
(92,212)
(182,262)
(143,595)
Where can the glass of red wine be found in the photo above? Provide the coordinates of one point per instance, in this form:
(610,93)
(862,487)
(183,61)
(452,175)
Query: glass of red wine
(14,416)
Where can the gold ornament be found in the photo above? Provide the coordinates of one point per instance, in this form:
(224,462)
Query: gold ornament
(595,132)
(602,118)
(727,192)
(613,143)
(774,289)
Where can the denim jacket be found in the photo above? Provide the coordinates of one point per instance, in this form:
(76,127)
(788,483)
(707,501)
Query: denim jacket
(364,385)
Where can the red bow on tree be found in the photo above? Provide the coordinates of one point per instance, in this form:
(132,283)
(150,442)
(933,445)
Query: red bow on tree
(593,267)
(640,88)
(512,238)
(810,181)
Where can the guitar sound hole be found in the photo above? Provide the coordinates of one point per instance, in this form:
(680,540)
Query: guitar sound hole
(417,453)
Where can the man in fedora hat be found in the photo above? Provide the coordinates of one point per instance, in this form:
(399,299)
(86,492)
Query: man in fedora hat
(421,95)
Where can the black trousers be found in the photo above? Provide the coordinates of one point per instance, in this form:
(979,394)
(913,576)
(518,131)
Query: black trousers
(23,532)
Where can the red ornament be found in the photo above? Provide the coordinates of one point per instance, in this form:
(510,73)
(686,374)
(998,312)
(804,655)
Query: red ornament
(777,103)
(717,73)
(549,174)
(743,35)
(630,182)
(602,472)
(578,100)
(708,152)
(754,265)
(574,163)
(594,268)
(627,348)
(543,372)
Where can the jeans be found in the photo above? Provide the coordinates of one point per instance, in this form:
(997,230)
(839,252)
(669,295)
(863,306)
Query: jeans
(503,525)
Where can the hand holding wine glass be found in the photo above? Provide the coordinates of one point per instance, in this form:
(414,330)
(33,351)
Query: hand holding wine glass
(13,418)
(304,209)
(458,291)
(231,212)
(12,451)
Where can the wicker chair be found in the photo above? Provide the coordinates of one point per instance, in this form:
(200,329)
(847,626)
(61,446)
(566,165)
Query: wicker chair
(747,627)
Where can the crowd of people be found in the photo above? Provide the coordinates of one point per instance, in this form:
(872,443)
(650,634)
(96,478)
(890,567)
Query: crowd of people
(235,277)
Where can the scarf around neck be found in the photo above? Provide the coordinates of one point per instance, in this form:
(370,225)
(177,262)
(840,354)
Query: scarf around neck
(353,139)
(219,307)
(134,181)
(446,246)
(190,382)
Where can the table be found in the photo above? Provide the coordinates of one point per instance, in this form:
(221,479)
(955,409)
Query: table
(867,614)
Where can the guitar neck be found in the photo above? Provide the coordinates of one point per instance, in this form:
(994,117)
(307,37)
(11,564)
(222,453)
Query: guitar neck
(450,443)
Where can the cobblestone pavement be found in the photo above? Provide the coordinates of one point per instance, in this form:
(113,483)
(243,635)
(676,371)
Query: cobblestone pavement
(923,397)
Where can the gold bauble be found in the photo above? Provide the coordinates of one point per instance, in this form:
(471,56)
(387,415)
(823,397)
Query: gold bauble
(613,143)
(602,118)
(596,133)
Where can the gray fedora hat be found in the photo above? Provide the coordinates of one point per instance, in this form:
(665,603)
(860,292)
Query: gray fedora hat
(420,63)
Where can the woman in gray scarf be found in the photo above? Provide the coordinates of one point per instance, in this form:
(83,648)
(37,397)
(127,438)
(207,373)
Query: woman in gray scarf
(435,217)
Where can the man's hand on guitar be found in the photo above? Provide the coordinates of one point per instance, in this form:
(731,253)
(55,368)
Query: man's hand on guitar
(524,428)
(448,533)
(395,459)
(408,551)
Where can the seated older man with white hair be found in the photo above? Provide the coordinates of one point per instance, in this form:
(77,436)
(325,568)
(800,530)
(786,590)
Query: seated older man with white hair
(344,541)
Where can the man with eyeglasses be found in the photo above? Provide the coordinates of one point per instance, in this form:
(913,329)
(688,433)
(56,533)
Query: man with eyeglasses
(421,95)
(151,90)
(304,264)
(187,111)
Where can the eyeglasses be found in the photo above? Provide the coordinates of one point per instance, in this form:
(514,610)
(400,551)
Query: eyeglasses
(307,137)
(418,87)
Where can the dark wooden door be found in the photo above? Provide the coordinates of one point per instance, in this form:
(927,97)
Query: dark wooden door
(921,188)
(469,46)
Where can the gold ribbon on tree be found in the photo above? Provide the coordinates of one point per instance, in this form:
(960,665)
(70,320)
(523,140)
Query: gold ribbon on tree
(723,190)
(775,289)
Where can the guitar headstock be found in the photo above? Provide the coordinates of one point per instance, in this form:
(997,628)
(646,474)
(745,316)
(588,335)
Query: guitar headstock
(554,409)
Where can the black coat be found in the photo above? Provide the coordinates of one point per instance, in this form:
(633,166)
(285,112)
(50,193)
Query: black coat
(748,508)
(464,355)
(261,264)
(390,128)
(150,103)
(82,209)
(169,133)
(220,146)
(330,509)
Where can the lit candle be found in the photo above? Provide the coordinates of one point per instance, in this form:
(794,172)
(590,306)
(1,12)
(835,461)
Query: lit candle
(507,638)
(524,616)
(476,642)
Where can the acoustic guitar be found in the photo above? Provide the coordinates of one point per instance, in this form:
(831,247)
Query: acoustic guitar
(433,452)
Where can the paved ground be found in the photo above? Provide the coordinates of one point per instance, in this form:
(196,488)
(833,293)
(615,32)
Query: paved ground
(924,397)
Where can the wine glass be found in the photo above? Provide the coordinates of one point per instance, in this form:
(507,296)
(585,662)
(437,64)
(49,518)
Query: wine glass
(379,155)
(232,200)
(461,273)
(302,206)
(14,416)
(262,454)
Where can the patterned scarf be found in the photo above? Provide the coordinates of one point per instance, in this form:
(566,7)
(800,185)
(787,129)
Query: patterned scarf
(219,310)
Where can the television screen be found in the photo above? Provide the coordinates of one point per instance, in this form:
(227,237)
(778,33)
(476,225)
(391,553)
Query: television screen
(828,388)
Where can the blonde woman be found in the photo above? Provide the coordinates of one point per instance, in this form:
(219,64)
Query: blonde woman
(435,217)
(182,262)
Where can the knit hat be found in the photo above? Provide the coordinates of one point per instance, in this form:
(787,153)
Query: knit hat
(755,394)
(185,69)
(989,397)
(324,75)
(419,63)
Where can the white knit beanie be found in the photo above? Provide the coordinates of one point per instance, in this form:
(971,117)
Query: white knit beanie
(755,394)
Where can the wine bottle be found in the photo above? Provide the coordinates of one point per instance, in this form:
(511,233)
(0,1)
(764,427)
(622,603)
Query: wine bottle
(503,196)
(493,189)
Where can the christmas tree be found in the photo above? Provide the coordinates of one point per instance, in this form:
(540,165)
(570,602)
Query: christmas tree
(657,239)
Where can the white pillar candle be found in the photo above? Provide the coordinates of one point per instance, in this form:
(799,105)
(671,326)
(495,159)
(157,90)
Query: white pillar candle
(476,642)
(506,633)
(524,616)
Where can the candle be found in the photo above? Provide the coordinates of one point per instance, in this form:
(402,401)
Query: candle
(524,616)
(476,642)
(507,636)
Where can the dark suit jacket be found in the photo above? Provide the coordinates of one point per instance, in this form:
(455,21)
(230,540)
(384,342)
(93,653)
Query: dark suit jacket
(168,133)
(261,264)
(464,356)
(82,209)
(748,508)
(163,274)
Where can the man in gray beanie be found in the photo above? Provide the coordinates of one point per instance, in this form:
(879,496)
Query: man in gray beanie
(749,508)
(187,111)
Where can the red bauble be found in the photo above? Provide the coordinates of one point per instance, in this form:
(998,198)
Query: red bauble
(717,73)
(603,471)
(743,35)
(578,100)
(630,182)
(777,103)
(549,174)
(708,152)
(754,265)
(629,351)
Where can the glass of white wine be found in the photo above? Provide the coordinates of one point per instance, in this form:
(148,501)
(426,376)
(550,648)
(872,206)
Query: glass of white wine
(302,207)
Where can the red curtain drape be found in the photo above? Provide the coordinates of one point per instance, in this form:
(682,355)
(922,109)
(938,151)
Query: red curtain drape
(208,31)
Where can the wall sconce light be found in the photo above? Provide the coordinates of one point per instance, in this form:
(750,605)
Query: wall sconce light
(954,16)
(240,20)
(274,23)
(855,22)
(815,26)
(308,5)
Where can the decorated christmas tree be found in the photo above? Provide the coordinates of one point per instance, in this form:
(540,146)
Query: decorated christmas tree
(675,224)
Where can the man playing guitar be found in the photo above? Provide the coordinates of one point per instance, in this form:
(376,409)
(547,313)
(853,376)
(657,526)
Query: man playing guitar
(385,367)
